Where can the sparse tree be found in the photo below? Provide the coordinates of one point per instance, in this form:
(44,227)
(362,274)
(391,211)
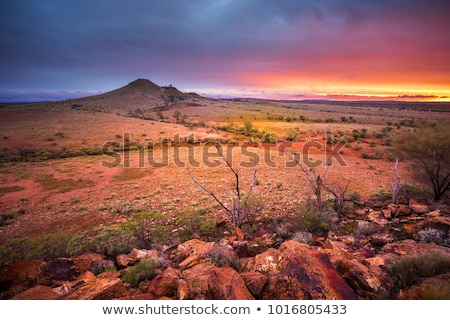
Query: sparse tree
(177,115)
(239,208)
(429,148)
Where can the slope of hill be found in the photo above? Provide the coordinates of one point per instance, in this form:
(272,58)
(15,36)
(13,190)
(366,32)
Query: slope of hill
(139,96)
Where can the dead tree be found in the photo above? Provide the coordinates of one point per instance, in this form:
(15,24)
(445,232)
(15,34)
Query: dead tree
(339,192)
(239,200)
(396,186)
(314,180)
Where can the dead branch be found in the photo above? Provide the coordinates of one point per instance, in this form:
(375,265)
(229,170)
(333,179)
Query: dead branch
(238,200)
(396,186)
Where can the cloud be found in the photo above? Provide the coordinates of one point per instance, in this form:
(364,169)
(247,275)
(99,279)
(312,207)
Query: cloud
(43,95)
(230,43)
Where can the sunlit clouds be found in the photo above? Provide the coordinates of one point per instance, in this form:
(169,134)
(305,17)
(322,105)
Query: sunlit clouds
(271,49)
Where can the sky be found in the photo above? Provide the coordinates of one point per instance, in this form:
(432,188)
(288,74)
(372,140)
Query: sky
(283,49)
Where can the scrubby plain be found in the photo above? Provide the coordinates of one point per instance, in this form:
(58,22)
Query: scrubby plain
(72,168)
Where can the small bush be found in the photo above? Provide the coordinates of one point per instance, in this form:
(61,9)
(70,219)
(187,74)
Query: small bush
(312,220)
(440,237)
(109,241)
(380,196)
(198,221)
(48,246)
(364,228)
(303,237)
(143,270)
(408,270)
(222,256)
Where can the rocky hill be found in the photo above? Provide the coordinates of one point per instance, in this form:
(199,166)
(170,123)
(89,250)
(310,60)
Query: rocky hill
(138,96)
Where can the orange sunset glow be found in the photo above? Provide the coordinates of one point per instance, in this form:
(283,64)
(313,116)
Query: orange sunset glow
(396,50)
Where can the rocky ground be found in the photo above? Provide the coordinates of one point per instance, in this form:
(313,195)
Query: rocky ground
(395,252)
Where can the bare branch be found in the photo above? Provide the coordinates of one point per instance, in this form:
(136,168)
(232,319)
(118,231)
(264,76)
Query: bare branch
(208,192)
(396,186)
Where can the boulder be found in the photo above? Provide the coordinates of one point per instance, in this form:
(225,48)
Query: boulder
(98,289)
(314,271)
(206,281)
(37,293)
(58,271)
(265,262)
(418,207)
(255,282)
(190,248)
(165,284)
(18,276)
(402,211)
(135,256)
(282,287)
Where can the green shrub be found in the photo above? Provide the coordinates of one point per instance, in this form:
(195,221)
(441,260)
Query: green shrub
(13,249)
(312,220)
(197,221)
(143,270)
(48,246)
(408,270)
(109,241)
(380,196)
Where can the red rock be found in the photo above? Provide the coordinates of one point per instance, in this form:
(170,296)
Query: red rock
(206,281)
(99,289)
(314,271)
(255,282)
(37,293)
(166,284)
(282,287)
(19,275)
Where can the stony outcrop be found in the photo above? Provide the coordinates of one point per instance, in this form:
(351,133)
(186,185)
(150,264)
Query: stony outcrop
(354,265)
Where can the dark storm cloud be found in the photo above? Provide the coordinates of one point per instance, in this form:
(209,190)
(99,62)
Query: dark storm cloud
(77,45)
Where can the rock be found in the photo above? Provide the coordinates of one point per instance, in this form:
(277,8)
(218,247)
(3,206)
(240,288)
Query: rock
(255,282)
(206,281)
(418,207)
(314,271)
(192,247)
(433,214)
(282,287)
(135,256)
(336,245)
(380,239)
(435,288)
(98,289)
(18,276)
(365,284)
(166,284)
(238,235)
(377,217)
(265,262)
(403,210)
(387,213)
(226,283)
(410,247)
(38,292)
(58,271)
(241,249)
